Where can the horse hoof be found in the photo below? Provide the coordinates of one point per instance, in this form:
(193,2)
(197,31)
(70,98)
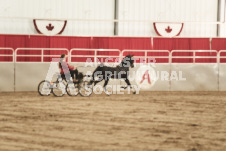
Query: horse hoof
(123,87)
(107,93)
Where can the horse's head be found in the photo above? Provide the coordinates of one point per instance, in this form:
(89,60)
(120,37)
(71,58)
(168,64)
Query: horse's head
(128,61)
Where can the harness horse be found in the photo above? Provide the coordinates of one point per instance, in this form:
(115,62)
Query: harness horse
(119,72)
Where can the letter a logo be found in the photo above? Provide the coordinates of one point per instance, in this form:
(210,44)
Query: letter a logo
(146,76)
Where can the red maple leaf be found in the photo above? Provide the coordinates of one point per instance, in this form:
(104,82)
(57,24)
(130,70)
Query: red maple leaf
(50,27)
(168,29)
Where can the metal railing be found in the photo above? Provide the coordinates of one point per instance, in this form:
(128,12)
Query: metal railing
(41,55)
(220,55)
(7,55)
(145,56)
(164,54)
(194,55)
(95,53)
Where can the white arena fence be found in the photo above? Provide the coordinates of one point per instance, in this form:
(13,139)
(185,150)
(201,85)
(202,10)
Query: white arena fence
(95,55)
(7,67)
(39,54)
(204,70)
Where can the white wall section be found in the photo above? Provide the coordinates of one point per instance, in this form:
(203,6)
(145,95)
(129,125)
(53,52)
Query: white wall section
(58,9)
(199,76)
(168,11)
(136,11)
(7,77)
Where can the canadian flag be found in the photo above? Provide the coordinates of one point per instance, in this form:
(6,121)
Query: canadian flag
(49,27)
(168,29)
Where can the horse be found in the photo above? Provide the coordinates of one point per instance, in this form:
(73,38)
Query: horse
(119,72)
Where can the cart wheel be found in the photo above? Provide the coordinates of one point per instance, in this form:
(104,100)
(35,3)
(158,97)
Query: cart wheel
(72,89)
(44,88)
(85,89)
(59,89)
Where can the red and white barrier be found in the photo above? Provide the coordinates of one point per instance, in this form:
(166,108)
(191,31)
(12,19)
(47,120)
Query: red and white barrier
(204,70)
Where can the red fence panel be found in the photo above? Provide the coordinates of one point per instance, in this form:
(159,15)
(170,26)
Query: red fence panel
(181,44)
(6,55)
(219,44)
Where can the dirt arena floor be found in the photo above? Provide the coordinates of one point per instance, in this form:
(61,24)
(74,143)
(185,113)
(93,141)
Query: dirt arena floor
(158,121)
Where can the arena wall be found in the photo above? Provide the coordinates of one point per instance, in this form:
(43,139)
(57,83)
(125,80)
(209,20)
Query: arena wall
(171,11)
(96,17)
(29,75)
(121,43)
(199,77)
(160,84)
(6,77)
(25,74)
(222,77)
(15,19)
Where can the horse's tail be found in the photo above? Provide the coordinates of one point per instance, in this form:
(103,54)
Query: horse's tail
(80,76)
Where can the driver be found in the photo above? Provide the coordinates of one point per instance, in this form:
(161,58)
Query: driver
(64,66)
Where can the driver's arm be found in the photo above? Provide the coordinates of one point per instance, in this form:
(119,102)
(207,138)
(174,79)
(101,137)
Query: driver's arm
(71,67)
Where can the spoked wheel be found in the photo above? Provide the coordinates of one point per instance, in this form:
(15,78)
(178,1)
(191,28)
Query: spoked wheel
(44,88)
(72,89)
(85,89)
(59,89)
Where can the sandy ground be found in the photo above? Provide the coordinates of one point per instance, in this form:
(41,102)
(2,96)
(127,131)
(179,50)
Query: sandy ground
(169,121)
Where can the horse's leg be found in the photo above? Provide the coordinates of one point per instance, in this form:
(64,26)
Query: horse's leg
(105,85)
(99,80)
(129,85)
(93,75)
(92,80)
(127,82)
